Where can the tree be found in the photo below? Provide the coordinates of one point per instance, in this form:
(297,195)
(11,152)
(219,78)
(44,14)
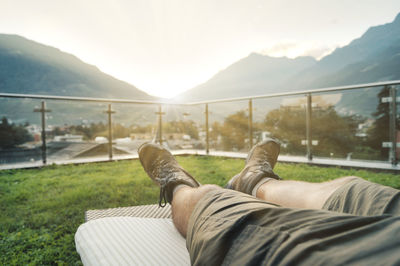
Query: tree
(12,135)
(142,129)
(335,133)
(234,131)
(184,127)
(215,132)
(118,130)
(288,125)
(91,131)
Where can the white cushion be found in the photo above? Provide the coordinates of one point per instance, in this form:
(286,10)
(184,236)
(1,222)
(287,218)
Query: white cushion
(131,241)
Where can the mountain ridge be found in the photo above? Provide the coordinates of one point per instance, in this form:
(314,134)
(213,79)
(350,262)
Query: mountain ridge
(31,67)
(251,67)
(376,48)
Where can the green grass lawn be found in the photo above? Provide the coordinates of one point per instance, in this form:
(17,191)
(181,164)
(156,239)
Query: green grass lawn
(41,209)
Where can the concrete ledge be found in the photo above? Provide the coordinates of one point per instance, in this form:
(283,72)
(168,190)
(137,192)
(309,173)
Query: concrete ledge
(327,162)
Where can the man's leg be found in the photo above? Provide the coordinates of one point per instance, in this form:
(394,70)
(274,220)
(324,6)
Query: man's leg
(351,195)
(258,179)
(183,202)
(177,186)
(290,194)
(298,194)
(228,227)
(224,226)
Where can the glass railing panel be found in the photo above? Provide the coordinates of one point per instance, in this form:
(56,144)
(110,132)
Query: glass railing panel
(357,124)
(20,132)
(184,127)
(133,125)
(283,118)
(351,124)
(228,124)
(76,131)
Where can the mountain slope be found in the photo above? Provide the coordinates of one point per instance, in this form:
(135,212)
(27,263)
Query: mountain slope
(372,57)
(366,59)
(30,67)
(255,74)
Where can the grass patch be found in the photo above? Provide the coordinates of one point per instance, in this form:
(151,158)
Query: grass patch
(41,209)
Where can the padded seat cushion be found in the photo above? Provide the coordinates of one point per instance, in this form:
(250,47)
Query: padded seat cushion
(131,241)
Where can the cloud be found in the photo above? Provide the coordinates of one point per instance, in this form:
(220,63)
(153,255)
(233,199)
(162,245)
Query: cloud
(293,49)
(319,52)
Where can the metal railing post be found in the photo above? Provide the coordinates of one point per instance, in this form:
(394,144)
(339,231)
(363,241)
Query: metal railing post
(207,131)
(43,111)
(160,124)
(250,124)
(160,114)
(392,126)
(110,144)
(44,144)
(309,126)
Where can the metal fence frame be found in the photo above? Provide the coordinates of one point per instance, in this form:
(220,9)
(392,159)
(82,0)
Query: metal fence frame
(392,100)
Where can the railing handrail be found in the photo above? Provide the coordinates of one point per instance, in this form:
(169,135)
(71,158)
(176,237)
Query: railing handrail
(304,92)
(168,102)
(80,99)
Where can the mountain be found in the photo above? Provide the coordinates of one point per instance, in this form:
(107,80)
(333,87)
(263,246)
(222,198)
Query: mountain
(32,68)
(373,57)
(28,67)
(255,74)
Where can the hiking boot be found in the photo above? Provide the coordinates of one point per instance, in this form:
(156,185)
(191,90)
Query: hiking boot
(259,164)
(161,166)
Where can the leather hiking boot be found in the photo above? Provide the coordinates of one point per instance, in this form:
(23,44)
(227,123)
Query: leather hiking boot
(259,164)
(161,166)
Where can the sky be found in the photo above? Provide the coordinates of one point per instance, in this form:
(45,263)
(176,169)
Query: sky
(165,47)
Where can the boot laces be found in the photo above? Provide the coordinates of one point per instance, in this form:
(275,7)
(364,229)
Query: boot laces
(162,201)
